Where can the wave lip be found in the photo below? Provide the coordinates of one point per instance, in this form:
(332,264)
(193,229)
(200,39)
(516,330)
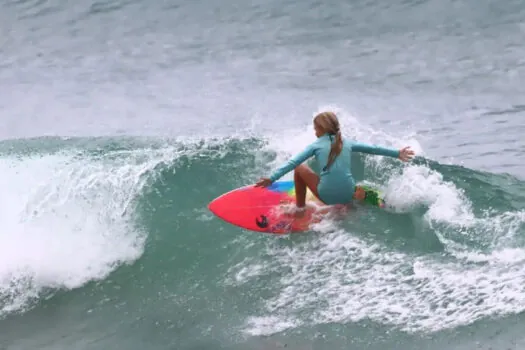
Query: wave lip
(68,218)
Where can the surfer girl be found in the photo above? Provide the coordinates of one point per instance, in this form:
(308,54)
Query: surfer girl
(335,184)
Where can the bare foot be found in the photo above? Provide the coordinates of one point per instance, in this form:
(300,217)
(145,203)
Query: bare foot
(359,194)
(293,211)
(299,212)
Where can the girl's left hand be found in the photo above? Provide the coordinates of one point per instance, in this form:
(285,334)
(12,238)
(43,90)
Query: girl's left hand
(405,154)
(264,182)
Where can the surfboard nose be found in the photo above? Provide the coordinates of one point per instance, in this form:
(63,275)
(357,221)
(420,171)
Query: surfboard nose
(247,207)
(218,205)
(224,204)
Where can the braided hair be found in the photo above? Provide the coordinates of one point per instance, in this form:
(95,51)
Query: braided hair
(328,122)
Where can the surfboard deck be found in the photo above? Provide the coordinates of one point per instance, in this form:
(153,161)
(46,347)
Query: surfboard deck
(270,209)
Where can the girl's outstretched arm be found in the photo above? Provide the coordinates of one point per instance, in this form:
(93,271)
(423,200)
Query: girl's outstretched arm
(405,154)
(374,149)
(292,163)
(287,167)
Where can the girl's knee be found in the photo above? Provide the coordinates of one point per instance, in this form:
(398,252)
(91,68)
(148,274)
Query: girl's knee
(297,174)
(299,169)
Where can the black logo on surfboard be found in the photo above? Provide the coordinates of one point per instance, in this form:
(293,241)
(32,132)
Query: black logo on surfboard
(263,223)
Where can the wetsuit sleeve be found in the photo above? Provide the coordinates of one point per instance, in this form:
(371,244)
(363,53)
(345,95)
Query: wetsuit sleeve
(373,149)
(292,163)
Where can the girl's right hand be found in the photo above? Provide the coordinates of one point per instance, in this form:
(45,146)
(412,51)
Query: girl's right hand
(264,182)
(405,154)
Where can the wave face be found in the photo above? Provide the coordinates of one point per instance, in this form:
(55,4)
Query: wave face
(448,251)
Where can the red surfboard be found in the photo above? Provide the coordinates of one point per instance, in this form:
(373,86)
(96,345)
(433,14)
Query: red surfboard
(267,209)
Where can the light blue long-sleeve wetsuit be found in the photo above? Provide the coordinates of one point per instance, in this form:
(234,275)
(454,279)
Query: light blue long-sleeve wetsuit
(336,184)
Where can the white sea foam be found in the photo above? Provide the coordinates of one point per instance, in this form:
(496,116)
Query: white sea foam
(68,219)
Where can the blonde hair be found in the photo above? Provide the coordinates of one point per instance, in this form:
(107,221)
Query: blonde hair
(328,122)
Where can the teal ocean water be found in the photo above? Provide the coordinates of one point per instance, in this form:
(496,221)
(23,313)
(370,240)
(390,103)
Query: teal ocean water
(122,120)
